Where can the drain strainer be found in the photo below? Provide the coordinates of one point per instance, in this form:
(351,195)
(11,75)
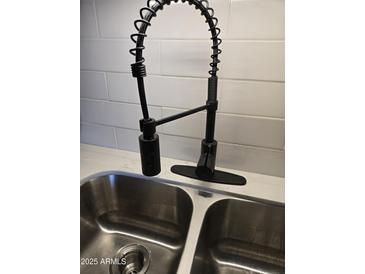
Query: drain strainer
(132,259)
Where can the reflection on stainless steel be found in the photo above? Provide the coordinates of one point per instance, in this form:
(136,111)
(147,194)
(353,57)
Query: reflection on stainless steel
(184,228)
(241,237)
(120,210)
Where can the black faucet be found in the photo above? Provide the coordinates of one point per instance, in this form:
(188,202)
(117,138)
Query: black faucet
(149,140)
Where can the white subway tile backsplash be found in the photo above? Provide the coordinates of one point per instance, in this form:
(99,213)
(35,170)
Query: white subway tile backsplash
(245,130)
(256,19)
(178,147)
(123,87)
(257,60)
(128,115)
(175,92)
(113,55)
(88,26)
(93,85)
(128,139)
(116,17)
(114,114)
(107,55)
(92,111)
(252,159)
(252,98)
(248,130)
(190,126)
(97,135)
(185,58)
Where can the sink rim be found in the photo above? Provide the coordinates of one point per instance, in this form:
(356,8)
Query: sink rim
(183,186)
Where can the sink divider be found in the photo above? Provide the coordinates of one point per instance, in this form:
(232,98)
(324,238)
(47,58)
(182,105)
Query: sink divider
(200,208)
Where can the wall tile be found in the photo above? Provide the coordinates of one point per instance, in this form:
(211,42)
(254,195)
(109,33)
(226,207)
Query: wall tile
(123,87)
(88,26)
(185,58)
(160,90)
(92,111)
(128,115)
(252,98)
(181,148)
(240,59)
(256,19)
(114,114)
(248,130)
(113,55)
(93,85)
(128,139)
(252,159)
(257,60)
(190,126)
(116,17)
(177,91)
(97,135)
(245,130)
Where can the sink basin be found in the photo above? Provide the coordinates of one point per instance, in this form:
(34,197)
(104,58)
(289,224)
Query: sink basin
(119,211)
(132,224)
(239,237)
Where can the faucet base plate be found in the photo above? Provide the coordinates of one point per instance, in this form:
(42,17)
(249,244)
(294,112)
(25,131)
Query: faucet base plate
(220,177)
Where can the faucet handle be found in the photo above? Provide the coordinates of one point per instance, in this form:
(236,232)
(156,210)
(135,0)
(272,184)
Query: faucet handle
(206,163)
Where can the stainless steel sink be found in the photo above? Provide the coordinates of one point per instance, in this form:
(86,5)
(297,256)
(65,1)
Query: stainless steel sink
(117,211)
(241,237)
(131,224)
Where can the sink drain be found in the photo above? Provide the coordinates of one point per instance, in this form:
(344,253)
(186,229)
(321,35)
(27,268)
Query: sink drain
(133,259)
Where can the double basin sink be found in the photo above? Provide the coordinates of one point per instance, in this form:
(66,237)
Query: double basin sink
(131,224)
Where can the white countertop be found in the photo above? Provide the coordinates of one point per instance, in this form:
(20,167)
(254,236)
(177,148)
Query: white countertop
(95,159)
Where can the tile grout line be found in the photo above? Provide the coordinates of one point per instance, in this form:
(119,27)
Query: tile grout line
(107,85)
(189,77)
(115,137)
(160,55)
(229,18)
(96,20)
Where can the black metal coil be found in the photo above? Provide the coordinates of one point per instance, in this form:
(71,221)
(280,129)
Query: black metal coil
(146,14)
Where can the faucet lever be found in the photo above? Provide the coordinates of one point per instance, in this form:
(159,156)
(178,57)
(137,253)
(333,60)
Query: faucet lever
(206,163)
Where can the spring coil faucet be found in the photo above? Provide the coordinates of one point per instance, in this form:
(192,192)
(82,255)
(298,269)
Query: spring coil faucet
(149,140)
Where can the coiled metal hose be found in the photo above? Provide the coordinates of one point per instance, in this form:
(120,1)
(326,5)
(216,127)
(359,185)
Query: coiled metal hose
(150,11)
(141,25)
